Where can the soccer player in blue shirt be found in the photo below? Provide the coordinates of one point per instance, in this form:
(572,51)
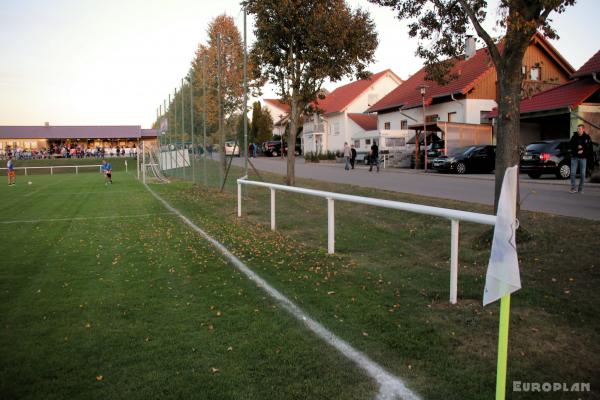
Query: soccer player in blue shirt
(12,174)
(107,171)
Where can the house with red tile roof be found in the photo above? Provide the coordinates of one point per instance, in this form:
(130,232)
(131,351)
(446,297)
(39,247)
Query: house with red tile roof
(335,120)
(555,113)
(460,109)
(279,113)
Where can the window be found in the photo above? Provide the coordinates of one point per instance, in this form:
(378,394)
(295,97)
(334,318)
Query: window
(367,142)
(432,118)
(386,126)
(404,124)
(357,143)
(524,70)
(395,142)
(452,116)
(336,128)
(484,117)
(535,74)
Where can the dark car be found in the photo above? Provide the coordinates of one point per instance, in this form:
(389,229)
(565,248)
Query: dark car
(551,157)
(547,157)
(467,159)
(272,148)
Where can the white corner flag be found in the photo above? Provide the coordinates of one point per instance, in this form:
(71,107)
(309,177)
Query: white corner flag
(503,268)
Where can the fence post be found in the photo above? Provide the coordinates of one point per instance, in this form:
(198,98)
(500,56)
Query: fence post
(330,226)
(453,261)
(76,170)
(239,200)
(25,171)
(272,209)
(51,171)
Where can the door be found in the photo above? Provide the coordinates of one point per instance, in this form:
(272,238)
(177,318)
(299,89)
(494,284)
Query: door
(318,144)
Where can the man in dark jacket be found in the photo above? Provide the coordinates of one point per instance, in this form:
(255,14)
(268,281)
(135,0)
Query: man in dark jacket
(353,156)
(581,148)
(374,156)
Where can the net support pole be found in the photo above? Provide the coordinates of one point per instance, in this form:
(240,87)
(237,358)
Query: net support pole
(137,158)
(144,162)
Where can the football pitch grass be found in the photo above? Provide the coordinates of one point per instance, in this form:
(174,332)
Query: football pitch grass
(105,294)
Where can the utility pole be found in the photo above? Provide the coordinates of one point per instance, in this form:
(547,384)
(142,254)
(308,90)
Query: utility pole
(221,130)
(183,150)
(245,100)
(205,61)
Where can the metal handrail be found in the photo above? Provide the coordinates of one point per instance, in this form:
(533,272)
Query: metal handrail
(455,216)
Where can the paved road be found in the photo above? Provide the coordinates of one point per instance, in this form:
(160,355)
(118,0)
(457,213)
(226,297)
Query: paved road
(545,195)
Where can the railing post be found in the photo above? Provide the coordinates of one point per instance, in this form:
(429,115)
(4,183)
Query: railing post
(239,200)
(330,226)
(453,261)
(272,209)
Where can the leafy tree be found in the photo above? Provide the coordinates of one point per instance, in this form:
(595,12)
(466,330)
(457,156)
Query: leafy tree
(224,39)
(301,43)
(441,27)
(262,124)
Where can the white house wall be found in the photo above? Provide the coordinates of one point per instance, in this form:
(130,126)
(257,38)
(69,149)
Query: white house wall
(375,92)
(467,111)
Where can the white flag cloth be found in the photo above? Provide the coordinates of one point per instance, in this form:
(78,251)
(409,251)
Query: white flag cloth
(503,268)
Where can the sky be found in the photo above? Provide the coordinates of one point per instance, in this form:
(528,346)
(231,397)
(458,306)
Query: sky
(112,62)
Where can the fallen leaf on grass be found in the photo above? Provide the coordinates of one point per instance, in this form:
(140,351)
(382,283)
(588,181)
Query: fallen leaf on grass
(214,370)
(99,378)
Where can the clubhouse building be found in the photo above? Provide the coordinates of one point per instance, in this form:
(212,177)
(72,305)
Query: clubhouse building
(35,139)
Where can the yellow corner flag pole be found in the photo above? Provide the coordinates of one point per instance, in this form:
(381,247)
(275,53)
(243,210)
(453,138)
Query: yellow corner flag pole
(502,347)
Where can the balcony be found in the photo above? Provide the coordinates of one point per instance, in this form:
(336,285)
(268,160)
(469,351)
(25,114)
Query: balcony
(313,128)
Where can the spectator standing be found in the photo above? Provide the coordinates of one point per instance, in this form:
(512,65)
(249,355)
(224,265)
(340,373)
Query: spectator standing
(347,156)
(353,156)
(581,149)
(374,156)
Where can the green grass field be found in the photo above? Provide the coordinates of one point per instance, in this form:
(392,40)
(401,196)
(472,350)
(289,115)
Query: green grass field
(106,295)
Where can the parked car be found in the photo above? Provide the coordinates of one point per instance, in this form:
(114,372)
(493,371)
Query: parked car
(232,148)
(551,157)
(272,148)
(467,159)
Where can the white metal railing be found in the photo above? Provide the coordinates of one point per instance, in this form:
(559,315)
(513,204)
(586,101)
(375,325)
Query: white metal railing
(57,166)
(455,216)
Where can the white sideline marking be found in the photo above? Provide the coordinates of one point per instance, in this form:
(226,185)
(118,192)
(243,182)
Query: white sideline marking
(35,221)
(390,386)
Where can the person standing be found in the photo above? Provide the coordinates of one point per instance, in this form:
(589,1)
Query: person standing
(353,156)
(374,156)
(107,171)
(581,147)
(347,156)
(12,174)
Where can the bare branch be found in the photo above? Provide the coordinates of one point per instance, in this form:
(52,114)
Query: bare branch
(493,49)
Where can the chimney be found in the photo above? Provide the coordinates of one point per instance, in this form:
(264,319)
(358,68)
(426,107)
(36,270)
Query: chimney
(46,124)
(470,47)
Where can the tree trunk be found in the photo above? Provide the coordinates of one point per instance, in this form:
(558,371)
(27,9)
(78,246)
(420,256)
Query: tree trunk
(510,79)
(291,155)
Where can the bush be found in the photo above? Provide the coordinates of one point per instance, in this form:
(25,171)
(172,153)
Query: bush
(316,157)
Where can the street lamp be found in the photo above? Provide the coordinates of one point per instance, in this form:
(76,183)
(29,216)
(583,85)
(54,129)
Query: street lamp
(423,89)
(281,133)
